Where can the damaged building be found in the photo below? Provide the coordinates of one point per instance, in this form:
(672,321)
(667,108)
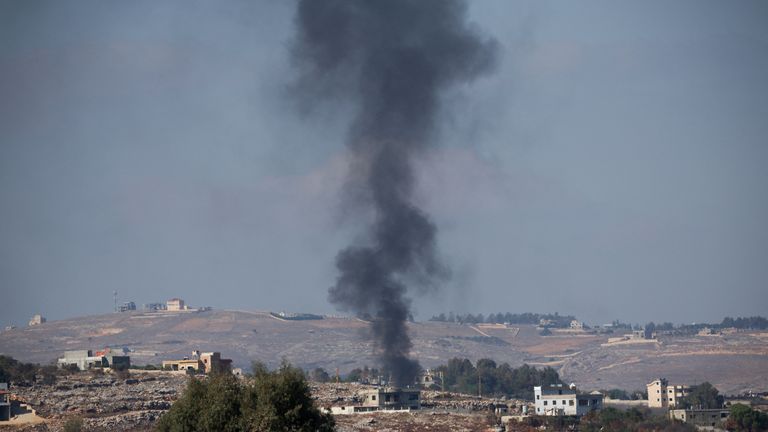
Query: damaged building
(382,399)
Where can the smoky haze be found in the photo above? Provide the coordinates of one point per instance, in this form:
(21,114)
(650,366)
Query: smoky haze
(394,59)
(613,166)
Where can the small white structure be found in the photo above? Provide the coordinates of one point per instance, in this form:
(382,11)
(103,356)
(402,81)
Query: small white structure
(175,304)
(36,320)
(577,325)
(559,400)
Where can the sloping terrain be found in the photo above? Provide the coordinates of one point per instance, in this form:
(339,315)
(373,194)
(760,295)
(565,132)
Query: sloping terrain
(734,362)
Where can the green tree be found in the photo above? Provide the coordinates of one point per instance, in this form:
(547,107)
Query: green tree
(704,395)
(276,401)
(745,419)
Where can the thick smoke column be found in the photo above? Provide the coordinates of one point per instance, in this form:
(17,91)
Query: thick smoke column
(393,59)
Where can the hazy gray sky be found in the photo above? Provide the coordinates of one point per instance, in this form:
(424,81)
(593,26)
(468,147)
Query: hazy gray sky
(614,166)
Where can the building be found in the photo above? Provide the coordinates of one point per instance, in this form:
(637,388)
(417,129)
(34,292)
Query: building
(127,306)
(153,307)
(5,402)
(175,304)
(661,394)
(430,378)
(382,399)
(200,363)
(212,361)
(557,400)
(700,417)
(36,320)
(577,325)
(392,398)
(85,359)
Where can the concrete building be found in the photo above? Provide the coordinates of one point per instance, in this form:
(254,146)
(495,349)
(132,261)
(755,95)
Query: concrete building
(430,378)
(86,359)
(153,307)
(661,394)
(577,325)
(175,304)
(37,320)
(186,364)
(201,363)
(127,306)
(5,402)
(701,418)
(557,400)
(392,398)
(386,399)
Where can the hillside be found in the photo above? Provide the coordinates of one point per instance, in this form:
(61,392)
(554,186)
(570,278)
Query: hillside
(734,363)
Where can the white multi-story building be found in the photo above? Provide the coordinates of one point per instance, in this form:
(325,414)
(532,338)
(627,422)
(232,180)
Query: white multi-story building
(661,394)
(560,400)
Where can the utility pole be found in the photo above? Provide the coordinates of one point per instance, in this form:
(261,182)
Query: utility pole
(115,295)
(479,385)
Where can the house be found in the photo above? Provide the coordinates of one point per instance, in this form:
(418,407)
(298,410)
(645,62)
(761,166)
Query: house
(175,304)
(201,363)
(153,307)
(5,402)
(382,399)
(577,325)
(557,400)
(392,398)
(86,359)
(37,320)
(430,378)
(700,417)
(661,394)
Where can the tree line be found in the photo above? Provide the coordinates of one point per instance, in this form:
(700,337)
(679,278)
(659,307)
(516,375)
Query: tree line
(487,378)
(555,319)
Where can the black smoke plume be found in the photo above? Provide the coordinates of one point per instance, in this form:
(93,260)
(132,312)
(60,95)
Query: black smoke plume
(393,59)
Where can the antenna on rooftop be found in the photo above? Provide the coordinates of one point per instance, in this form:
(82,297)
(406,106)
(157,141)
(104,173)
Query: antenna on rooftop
(115,296)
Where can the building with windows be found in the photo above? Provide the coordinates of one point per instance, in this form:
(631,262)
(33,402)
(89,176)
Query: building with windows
(382,399)
(661,394)
(700,417)
(86,359)
(175,304)
(201,363)
(557,400)
(127,306)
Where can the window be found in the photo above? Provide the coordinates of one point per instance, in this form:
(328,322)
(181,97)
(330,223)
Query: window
(373,397)
(570,402)
(538,397)
(582,402)
(670,399)
(559,392)
(545,403)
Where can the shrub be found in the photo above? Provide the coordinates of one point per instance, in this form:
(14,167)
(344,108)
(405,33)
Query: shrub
(278,400)
(73,424)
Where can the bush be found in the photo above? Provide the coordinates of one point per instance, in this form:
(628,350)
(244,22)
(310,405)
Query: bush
(278,400)
(74,424)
